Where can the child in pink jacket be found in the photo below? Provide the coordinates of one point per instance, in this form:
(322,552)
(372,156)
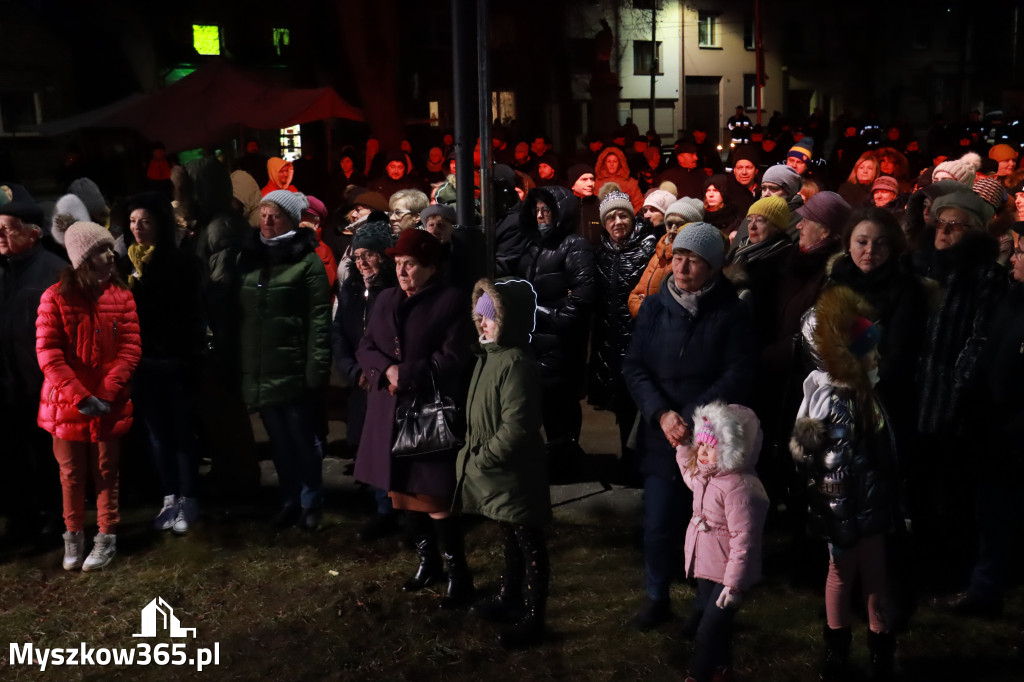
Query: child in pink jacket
(723,540)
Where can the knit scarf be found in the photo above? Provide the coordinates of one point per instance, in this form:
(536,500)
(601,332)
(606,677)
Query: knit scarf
(687,299)
(748,253)
(139,255)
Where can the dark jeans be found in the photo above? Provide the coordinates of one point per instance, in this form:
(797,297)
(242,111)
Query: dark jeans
(298,452)
(667,507)
(163,407)
(713,645)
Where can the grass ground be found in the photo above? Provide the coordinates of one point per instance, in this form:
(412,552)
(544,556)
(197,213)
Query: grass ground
(296,606)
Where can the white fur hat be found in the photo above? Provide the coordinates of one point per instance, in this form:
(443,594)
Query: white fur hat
(737,430)
(69,209)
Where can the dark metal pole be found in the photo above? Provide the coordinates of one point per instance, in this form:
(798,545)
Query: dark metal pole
(654,62)
(483,79)
(462,92)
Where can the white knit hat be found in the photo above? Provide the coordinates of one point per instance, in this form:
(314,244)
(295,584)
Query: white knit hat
(691,210)
(83,238)
(659,200)
(292,203)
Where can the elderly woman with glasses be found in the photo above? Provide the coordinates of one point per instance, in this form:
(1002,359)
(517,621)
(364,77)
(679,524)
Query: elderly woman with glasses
(404,209)
(959,256)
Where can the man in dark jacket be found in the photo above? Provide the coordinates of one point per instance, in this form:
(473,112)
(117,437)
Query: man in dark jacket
(691,345)
(560,265)
(685,175)
(26,271)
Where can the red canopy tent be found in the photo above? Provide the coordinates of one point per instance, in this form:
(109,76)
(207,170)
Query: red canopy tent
(211,105)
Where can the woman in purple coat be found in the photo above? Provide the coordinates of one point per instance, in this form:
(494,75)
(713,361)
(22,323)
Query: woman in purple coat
(422,325)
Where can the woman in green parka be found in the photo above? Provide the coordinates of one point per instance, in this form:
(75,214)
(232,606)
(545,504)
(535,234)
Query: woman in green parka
(286,351)
(502,468)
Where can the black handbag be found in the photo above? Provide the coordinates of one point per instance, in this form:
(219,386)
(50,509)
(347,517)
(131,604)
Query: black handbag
(426,427)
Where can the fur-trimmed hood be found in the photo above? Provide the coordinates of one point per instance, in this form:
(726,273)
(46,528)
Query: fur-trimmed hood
(738,431)
(515,307)
(826,332)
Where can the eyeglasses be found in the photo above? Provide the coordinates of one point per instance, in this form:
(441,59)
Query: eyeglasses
(954,226)
(399,213)
(365,256)
(674,224)
(543,210)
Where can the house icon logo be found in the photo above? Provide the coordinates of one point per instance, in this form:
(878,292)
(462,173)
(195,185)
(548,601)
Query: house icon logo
(159,615)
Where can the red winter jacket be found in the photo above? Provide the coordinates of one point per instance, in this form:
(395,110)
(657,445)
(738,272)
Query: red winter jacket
(86,350)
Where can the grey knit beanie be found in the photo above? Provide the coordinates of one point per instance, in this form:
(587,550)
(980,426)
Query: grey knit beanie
(785,177)
(704,240)
(292,203)
(689,209)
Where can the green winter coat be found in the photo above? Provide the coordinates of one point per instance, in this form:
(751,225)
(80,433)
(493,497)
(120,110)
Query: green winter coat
(502,468)
(285,321)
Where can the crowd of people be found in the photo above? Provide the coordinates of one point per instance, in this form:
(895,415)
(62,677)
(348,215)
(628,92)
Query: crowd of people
(807,343)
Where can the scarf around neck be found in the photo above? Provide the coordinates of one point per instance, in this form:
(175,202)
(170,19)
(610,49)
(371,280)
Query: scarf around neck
(139,255)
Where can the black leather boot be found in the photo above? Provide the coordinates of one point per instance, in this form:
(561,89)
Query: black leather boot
(460,592)
(882,646)
(429,571)
(507,605)
(837,654)
(529,630)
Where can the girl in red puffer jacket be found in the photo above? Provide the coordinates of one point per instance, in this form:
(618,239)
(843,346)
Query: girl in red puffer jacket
(87,343)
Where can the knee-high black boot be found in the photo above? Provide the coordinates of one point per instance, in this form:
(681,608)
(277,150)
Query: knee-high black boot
(529,629)
(429,571)
(837,654)
(506,605)
(453,552)
(882,646)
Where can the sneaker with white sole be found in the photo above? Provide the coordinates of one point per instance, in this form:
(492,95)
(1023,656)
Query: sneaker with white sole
(188,513)
(74,550)
(103,550)
(165,519)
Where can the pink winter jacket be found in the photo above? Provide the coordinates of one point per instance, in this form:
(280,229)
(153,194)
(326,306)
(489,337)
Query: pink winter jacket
(723,540)
(86,350)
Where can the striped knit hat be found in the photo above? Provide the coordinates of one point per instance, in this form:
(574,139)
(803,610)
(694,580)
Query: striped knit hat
(774,209)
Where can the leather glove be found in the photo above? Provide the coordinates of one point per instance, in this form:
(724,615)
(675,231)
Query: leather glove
(729,598)
(93,406)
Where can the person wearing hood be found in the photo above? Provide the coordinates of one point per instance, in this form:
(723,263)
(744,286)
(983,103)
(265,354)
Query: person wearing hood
(624,253)
(396,176)
(164,281)
(612,167)
(217,233)
(510,240)
(842,442)
(30,492)
(559,264)
(692,344)
(502,468)
(285,350)
(717,210)
(724,537)
(280,173)
(247,196)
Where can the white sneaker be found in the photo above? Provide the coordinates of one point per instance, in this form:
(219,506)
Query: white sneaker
(74,550)
(103,550)
(188,513)
(165,519)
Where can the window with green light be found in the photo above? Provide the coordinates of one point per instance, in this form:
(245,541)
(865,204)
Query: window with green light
(282,37)
(206,39)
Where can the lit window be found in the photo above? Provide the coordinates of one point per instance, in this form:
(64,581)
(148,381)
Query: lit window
(707,29)
(749,35)
(282,38)
(291,143)
(750,91)
(435,113)
(503,107)
(206,39)
(642,58)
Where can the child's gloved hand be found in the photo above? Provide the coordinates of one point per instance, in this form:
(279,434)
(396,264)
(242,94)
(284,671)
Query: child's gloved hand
(684,455)
(93,406)
(729,598)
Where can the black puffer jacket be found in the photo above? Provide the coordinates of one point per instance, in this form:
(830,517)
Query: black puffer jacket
(560,266)
(851,486)
(618,270)
(971,285)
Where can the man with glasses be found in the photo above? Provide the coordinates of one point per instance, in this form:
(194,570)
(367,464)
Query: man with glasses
(31,485)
